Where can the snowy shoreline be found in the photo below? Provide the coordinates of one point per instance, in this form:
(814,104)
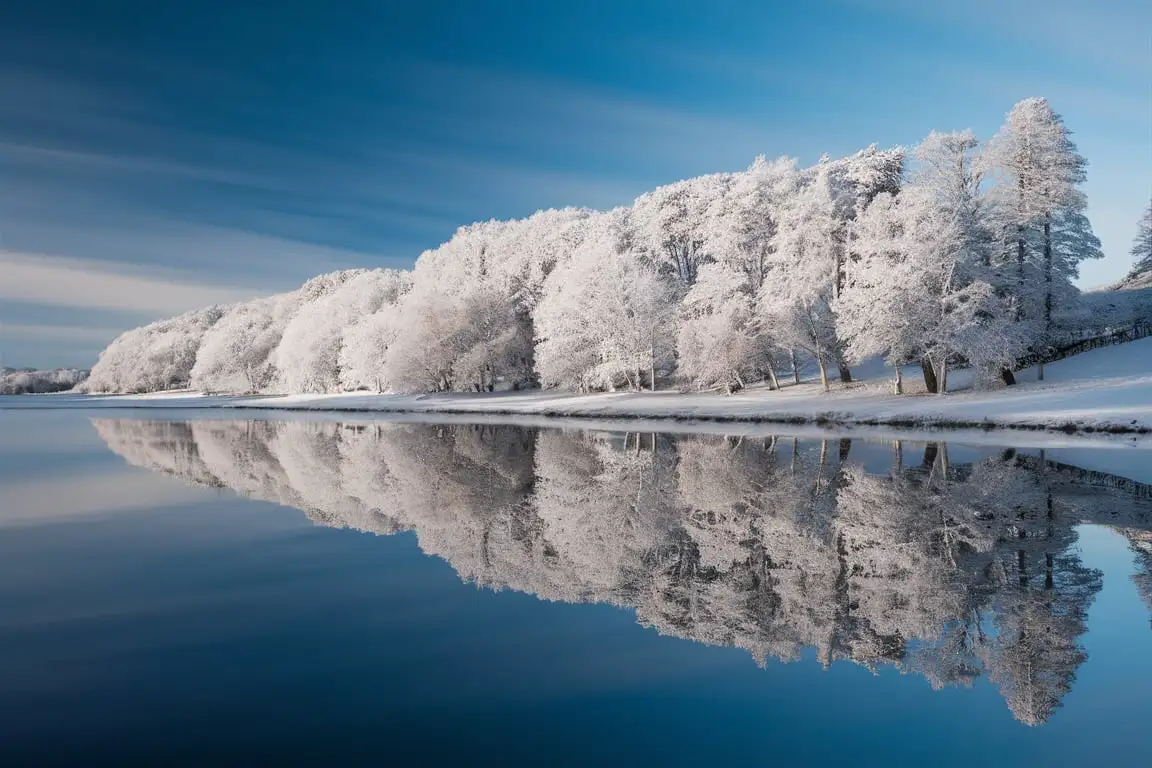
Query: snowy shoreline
(1105,391)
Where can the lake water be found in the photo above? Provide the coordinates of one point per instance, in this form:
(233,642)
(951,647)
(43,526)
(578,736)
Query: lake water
(205,589)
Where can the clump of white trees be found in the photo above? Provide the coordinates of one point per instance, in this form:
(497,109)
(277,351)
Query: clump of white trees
(28,381)
(955,253)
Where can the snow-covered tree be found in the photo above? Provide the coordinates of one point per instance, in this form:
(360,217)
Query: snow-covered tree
(799,289)
(235,354)
(921,289)
(1142,246)
(606,317)
(668,224)
(308,356)
(363,360)
(155,357)
(1040,208)
(722,339)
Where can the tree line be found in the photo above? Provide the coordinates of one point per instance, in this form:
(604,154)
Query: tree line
(955,252)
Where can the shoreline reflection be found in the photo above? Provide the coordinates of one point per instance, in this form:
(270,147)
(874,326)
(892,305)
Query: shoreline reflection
(945,569)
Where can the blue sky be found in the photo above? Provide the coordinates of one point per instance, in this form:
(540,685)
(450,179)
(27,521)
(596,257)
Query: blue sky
(159,156)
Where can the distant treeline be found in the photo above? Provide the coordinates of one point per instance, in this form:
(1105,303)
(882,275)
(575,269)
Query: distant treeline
(27,381)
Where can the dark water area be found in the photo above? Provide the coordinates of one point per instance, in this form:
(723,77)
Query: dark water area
(218,591)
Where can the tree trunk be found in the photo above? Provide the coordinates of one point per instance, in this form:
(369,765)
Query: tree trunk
(898,386)
(1047,270)
(823,373)
(795,368)
(652,369)
(845,371)
(930,382)
(942,377)
(775,383)
(930,452)
(1008,377)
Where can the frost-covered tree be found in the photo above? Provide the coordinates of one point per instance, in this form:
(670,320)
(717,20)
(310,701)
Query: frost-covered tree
(471,309)
(813,249)
(606,317)
(798,292)
(1040,207)
(308,356)
(722,339)
(1142,246)
(363,359)
(668,224)
(155,357)
(922,288)
(235,354)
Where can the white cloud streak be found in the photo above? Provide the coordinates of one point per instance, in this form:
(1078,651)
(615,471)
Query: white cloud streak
(85,284)
(75,333)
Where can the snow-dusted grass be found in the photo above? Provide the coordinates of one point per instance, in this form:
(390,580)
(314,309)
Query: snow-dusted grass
(1107,389)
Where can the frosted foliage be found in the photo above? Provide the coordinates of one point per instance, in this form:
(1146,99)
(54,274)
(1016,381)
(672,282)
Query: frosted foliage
(949,570)
(605,319)
(235,354)
(721,339)
(1142,246)
(670,221)
(363,356)
(157,356)
(922,287)
(1038,207)
(966,257)
(308,356)
(28,381)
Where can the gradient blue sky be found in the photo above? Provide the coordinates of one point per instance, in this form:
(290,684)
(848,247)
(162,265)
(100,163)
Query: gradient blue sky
(159,156)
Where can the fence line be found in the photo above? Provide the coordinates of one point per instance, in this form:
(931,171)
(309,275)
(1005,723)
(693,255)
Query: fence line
(1052,354)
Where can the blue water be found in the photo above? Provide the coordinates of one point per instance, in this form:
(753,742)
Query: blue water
(158,607)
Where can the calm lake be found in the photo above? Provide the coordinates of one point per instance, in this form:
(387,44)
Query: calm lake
(208,588)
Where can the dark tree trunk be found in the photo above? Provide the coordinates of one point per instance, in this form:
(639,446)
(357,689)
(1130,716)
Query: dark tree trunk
(930,382)
(845,374)
(1008,377)
(930,452)
(1047,285)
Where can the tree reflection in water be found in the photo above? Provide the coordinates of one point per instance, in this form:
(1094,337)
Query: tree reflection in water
(943,569)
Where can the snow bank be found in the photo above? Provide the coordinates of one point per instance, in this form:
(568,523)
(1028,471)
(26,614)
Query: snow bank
(1108,389)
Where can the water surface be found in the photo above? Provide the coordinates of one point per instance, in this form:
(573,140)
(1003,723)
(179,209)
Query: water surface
(209,590)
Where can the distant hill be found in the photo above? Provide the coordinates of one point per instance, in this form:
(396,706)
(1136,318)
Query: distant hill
(26,381)
(1122,304)
(1135,280)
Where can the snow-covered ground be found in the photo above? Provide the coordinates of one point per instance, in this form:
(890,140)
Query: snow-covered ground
(1106,389)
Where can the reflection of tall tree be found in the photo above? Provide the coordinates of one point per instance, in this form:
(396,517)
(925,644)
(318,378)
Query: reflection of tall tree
(947,570)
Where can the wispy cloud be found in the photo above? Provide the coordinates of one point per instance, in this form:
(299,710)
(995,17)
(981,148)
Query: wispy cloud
(88,284)
(70,333)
